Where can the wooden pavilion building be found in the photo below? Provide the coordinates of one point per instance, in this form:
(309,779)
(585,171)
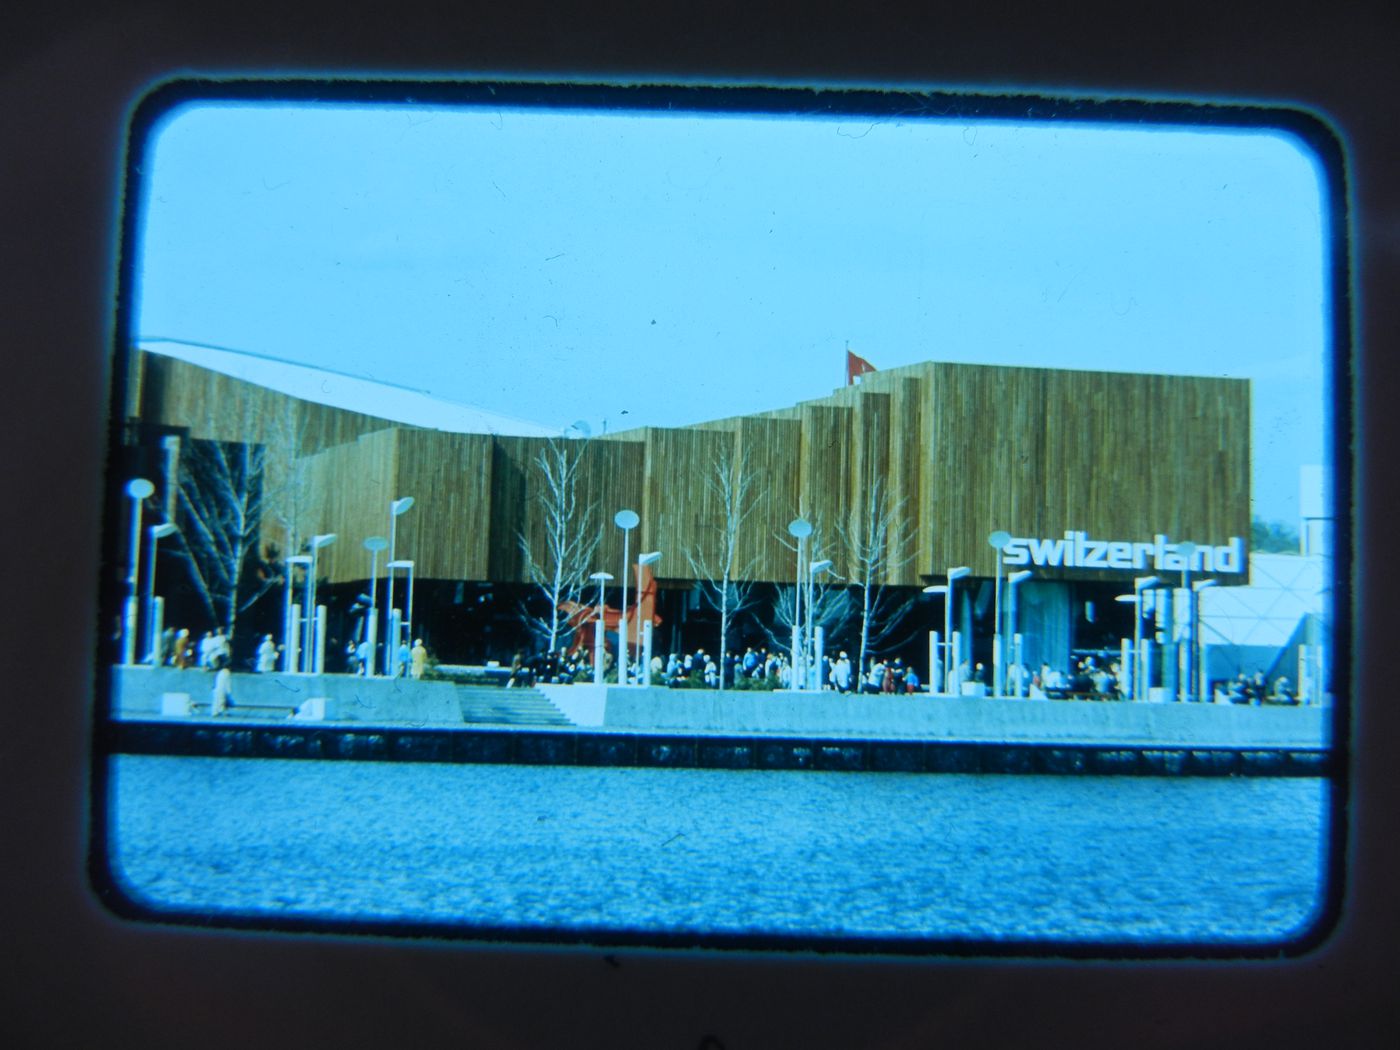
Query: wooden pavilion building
(1093,475)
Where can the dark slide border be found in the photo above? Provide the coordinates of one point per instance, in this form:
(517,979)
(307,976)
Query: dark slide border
(778,103)
(70,80)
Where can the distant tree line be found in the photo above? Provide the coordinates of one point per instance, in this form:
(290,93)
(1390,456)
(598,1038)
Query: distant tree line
(1272,537)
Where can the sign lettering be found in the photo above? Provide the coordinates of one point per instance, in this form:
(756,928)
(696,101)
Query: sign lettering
(1078,551)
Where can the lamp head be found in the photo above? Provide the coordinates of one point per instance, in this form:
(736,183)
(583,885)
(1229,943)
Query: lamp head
(819,566)
(376,543)
(400,505)
(162,530)
(601,577)
(1018,576)
(650,558)
(1143,582)
(799,528)
(626,520)
(139,488)
(325,539)
(937,588)
(958,573)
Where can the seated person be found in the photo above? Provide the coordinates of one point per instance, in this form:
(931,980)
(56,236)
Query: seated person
(1239,689)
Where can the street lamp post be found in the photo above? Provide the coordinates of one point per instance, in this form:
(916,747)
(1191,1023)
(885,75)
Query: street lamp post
(290,660)
(1012,581)
(405,564)
(935,672)
(374,544)
(391,650)
(626,520)
(309,662)
(953,574)
(810,649)
(602,578)
(405,623)
(1140,584)
(156,533)
(998,541)
(1197,664)
(1186,550)
(1128,685)
(644,677)
(799,529)
(138,489)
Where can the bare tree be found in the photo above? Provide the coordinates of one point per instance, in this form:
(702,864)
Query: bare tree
(877,543)
(830,608)
(571,538)
(723,581)
(221,506)
(825,602)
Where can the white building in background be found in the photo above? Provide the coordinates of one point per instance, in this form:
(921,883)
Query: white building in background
(1280,624)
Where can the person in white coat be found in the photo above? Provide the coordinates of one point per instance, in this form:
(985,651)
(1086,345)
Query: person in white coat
(267,655)
(223,687)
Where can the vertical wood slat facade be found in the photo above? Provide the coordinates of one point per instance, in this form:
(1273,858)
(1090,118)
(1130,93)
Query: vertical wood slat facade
(966,449)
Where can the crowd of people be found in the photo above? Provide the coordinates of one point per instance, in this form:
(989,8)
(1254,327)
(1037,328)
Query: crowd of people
(1254,690)
(755,668)
(177,648)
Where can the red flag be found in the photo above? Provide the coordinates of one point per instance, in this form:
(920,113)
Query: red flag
(856,366)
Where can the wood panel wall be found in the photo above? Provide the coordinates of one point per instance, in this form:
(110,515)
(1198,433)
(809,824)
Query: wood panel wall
(770,447)
(447,530)
(682,510)
(966,449)
(349,488)
(1121,456)
(609,479)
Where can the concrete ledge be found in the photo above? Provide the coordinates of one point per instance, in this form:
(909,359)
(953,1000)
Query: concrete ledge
(928,717)
(139,691)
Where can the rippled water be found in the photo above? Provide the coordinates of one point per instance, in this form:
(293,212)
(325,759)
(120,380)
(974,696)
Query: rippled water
(869,855)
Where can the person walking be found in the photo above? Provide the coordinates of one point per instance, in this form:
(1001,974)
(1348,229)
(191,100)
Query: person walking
(419,659)
(841,673)
(180,650)
(267,656)
(223,687)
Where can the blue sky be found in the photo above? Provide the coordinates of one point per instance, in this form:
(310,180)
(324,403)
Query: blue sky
(664,269)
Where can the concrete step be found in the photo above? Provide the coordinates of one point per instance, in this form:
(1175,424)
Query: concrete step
(508,706)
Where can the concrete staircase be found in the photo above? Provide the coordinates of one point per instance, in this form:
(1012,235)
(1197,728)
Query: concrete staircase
(494,705)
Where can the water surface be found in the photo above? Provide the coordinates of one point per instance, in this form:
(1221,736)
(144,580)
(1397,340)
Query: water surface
(871,855)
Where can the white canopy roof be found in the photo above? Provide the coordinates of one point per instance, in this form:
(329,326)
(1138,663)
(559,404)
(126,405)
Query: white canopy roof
(1283,588)
(355,393)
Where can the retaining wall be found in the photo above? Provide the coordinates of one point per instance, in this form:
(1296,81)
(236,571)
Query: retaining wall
(959,718)
(137,693)
(394,701)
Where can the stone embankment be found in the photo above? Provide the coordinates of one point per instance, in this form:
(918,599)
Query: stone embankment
(339,716)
